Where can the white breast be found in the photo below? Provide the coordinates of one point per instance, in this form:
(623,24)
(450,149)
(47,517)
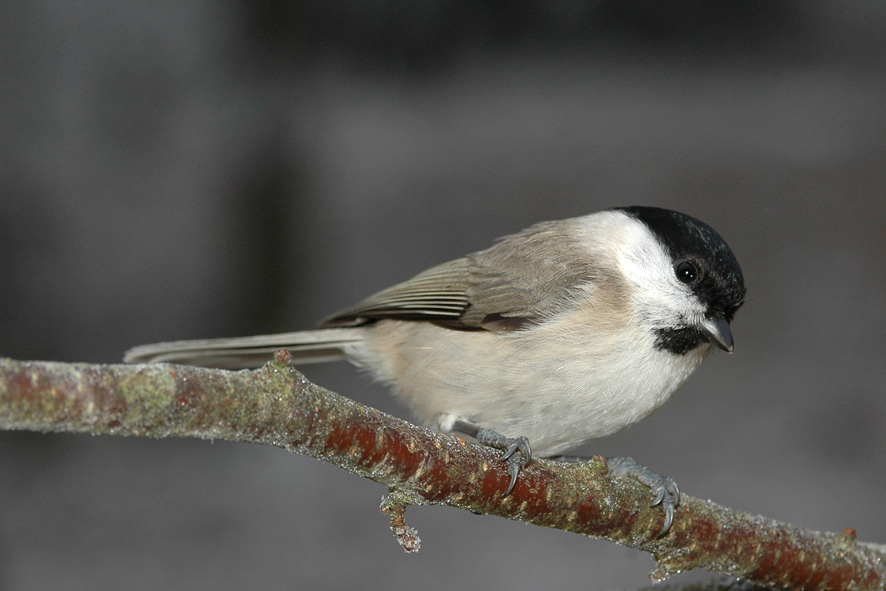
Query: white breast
(530,383)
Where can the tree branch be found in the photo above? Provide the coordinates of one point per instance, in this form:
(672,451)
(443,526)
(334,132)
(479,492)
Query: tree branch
(276,405)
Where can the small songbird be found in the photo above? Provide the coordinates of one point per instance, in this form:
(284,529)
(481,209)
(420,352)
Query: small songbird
(565,332)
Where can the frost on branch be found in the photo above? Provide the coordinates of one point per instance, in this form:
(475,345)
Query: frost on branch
(276,405)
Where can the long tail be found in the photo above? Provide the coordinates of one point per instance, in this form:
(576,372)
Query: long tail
(307,346)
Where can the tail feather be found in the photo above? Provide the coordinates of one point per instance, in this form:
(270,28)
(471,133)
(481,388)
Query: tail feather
(307,346)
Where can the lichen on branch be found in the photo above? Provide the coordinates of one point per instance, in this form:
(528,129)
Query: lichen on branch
(276,405)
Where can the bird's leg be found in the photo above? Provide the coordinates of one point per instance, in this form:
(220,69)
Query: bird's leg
(667,494)
(517,452)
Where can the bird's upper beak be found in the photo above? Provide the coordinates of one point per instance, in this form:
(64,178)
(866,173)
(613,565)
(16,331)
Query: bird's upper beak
(718,332)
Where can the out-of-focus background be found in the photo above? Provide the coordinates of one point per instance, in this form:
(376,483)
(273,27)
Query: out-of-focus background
(217,168)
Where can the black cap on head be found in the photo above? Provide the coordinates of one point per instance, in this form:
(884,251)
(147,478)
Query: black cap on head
(707,261)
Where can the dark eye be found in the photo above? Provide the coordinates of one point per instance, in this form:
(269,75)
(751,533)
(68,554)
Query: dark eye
(686,272)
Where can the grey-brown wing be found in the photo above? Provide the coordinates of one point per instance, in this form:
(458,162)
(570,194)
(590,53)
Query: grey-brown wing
(437,294)
(503,287)
(524,277)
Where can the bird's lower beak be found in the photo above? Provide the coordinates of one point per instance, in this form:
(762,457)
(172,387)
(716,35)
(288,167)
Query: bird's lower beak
(718,332)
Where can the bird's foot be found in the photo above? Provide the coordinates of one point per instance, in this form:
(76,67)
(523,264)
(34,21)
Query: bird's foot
(516,450)
(667,494)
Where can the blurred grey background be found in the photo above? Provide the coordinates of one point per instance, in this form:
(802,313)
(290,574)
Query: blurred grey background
(218,168)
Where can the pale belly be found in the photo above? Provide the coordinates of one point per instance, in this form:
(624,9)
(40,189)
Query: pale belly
(558,388)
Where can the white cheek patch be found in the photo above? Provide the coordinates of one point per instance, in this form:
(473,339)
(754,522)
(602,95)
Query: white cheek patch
(660,298)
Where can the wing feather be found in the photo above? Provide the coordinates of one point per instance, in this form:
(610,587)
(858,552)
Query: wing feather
(435,294)
(504,287)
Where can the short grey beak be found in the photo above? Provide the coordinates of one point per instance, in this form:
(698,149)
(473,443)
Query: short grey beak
(717,330)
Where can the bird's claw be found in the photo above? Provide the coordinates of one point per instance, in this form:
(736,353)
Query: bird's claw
(517,452)
(517,444)
(515,464)
(667,493)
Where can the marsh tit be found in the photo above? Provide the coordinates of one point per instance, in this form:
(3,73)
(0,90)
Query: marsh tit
(565,332)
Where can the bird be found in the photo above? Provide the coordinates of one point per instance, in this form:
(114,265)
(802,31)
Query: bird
(564,332)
